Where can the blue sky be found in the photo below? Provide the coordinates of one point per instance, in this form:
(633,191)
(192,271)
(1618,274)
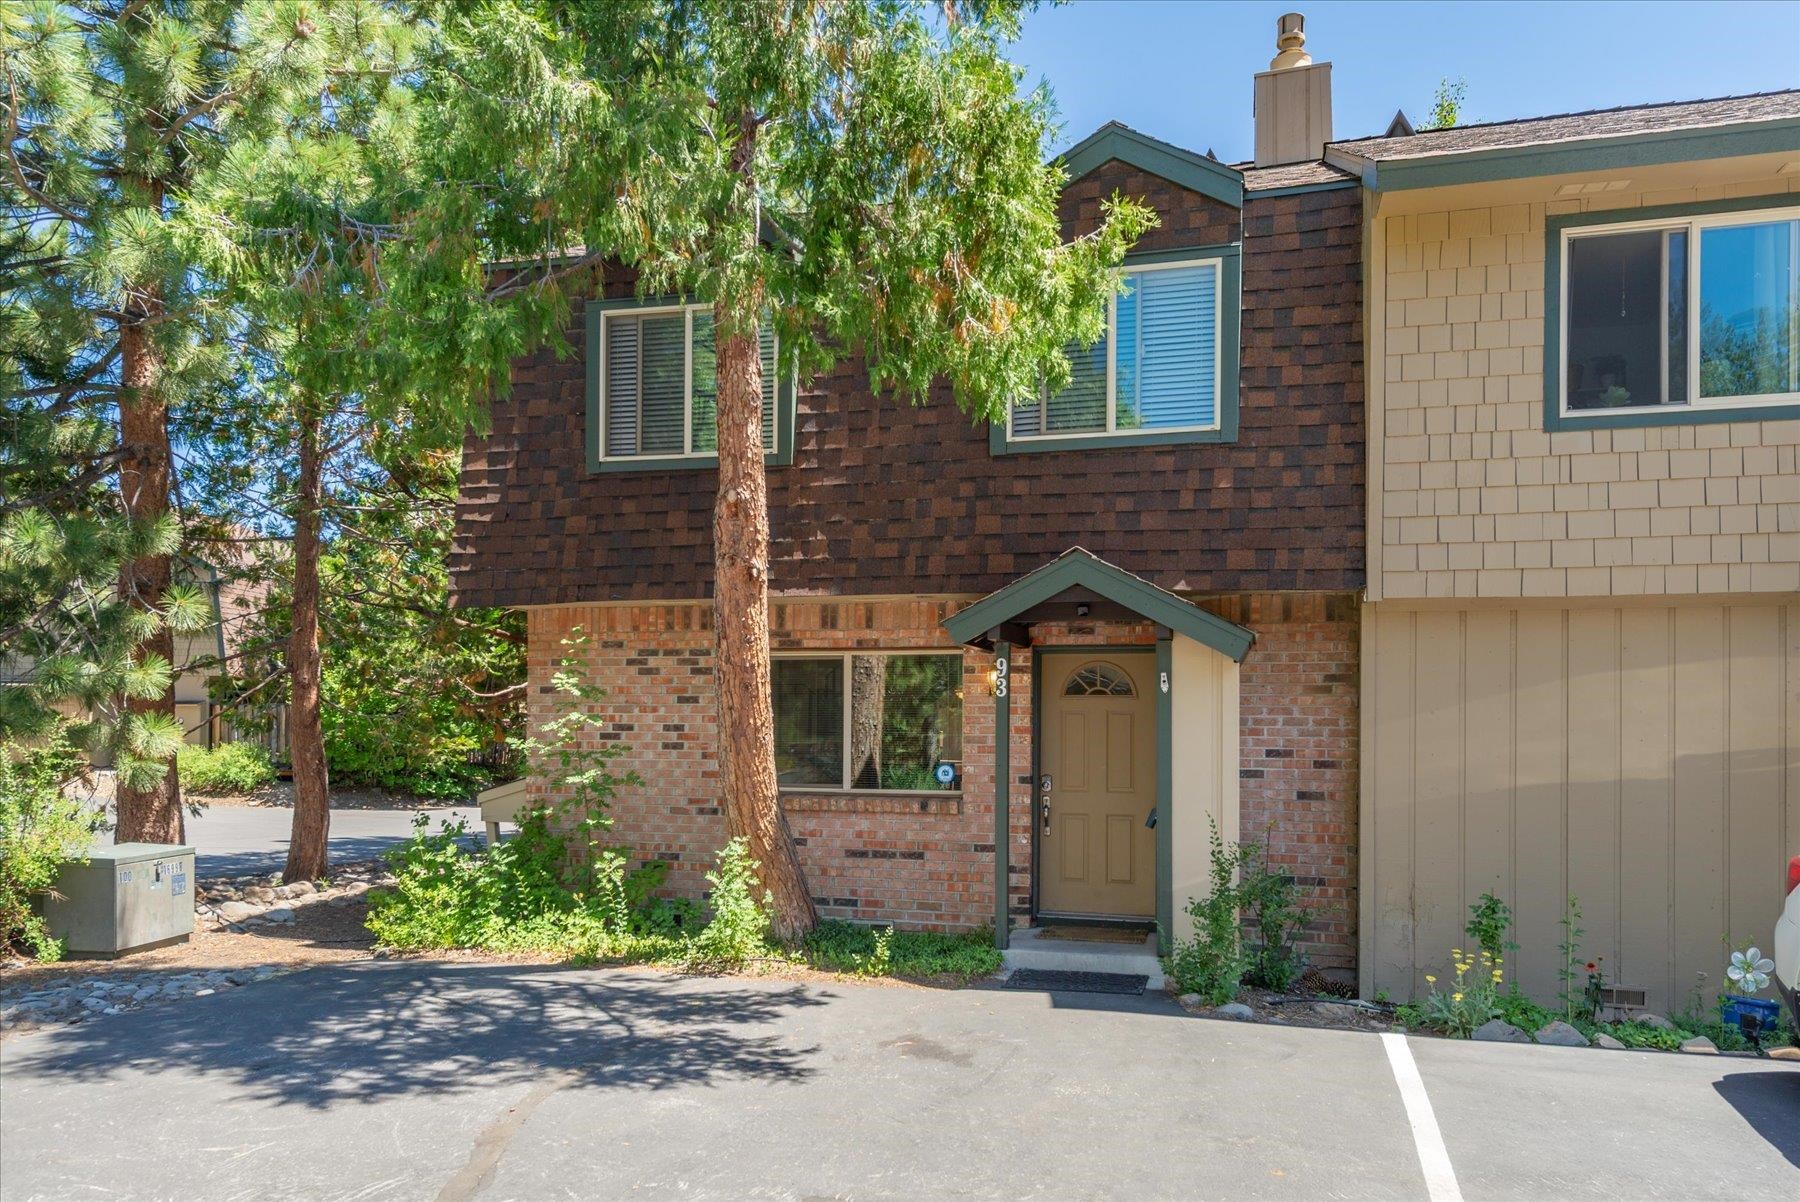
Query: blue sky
(1181,71)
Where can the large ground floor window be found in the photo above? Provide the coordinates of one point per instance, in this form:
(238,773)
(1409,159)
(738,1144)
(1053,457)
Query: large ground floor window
(876,722)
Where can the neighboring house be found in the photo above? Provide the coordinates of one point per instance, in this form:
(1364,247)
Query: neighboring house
(998,651)
(1581,667)
(200,657)
(205,655)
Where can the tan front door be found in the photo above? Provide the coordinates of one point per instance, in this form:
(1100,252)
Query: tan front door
(1097,785)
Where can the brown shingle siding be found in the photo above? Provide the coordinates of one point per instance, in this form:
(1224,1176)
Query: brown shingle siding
(883,498)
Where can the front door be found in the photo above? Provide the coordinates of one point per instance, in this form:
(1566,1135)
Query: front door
(1097,786)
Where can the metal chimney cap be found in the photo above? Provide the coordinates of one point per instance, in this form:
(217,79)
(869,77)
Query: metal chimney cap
(1290,42)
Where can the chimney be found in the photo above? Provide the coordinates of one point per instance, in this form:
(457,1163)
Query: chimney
(1293,100)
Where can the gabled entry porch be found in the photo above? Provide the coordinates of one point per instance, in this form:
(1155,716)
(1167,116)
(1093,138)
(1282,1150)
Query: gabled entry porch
(1133,746)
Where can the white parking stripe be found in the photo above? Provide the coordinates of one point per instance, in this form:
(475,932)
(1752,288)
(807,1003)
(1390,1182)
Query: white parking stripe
(1434,1159)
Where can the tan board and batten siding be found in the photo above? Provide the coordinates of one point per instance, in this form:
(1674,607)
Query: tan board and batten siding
(1643,758)
(1581,655)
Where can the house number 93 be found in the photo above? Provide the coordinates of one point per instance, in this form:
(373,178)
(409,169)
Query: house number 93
(1000,669)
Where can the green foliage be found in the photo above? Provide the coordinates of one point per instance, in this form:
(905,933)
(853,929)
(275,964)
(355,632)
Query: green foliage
(838,946)
(739,928)
(120,115)
(1490,920)
(1578,992)
(1471,1000)
(1446,104)
(1521,1011)
(1212,963)
(40,828)
(1272,899)
(1218,959)
(230,768)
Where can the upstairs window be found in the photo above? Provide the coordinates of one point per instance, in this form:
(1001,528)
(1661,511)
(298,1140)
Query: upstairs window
(1685,315)
(660,384)
(1160,367)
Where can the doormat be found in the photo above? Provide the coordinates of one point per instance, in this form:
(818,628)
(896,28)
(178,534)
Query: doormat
(1046,980)
(1093,934)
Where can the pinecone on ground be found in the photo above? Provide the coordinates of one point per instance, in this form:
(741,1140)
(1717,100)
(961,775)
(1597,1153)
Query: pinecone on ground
(1314,981)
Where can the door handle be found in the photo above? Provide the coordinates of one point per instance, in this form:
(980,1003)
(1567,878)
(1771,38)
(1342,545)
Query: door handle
(1046,817)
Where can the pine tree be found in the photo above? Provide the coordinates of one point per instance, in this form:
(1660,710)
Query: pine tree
(865,176)
(114,110)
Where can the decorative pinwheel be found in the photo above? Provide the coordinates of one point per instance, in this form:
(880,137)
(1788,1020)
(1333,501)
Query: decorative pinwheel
(1750,971)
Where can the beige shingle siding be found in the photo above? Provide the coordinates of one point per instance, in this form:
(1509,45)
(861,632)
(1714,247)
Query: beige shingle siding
(1477,500)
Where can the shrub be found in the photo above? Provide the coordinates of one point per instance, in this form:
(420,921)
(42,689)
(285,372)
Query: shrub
(230,768)
(1273,900)
(1490,921)
(1472,999)
(739,927)
(40,828)
(838,946)
(1212,963)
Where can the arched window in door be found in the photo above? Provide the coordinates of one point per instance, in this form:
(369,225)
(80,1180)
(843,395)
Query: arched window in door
(1098,680)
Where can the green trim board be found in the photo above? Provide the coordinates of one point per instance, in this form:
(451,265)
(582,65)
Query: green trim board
(1165,792)
(1674,415)
(785,400)
(1781,136)
(1002,793)
(1080,568)
(1195,172)
(1231,304)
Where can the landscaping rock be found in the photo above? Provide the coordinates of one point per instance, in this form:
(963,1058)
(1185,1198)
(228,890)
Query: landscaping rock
(1784,1053)
(1498,1030)
(1236,1010)
(1700,1045)
(236,911)
(1603,1040)
(1654,1020)
(301,889)
(278,914)
(1560,1034)
(1189,999)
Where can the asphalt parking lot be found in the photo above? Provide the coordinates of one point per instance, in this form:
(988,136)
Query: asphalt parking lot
(457,1081)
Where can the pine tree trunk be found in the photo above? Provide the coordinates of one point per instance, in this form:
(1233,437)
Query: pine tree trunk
(146,815)
(741,602)
(309,841)
(867,701)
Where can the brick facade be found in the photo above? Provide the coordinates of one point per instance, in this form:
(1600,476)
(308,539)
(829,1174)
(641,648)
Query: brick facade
(927,861)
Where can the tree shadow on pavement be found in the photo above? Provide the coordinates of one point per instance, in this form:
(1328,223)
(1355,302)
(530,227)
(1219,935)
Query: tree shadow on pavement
(369,1031)
(1770,1103)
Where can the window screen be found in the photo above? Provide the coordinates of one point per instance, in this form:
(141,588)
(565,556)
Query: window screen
(1163,341)
(662,384)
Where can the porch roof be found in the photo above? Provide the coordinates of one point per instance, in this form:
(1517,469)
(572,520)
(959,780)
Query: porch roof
(1078,572)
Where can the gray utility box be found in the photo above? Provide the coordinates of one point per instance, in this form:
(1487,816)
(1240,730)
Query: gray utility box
(126,898)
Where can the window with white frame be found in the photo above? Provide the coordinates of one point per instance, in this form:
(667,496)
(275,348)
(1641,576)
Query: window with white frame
(883,721)
(660,385)
(1155,369)
(1698,312)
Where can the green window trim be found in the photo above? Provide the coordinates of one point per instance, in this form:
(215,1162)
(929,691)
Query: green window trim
(782,454)
(1230,336)
(1555,420)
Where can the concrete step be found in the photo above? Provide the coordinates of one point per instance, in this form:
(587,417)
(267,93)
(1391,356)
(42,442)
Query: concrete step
(1029,949)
